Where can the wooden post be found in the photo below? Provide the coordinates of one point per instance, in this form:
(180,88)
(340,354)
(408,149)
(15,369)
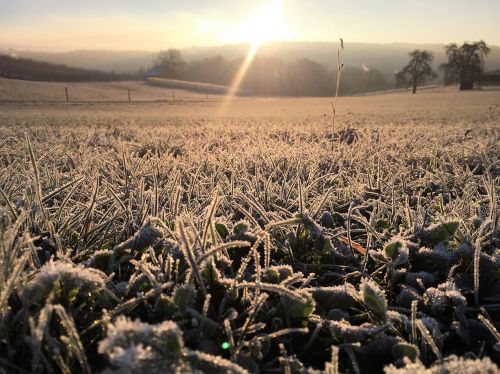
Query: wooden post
(173,95)
(129,98)
(66,91)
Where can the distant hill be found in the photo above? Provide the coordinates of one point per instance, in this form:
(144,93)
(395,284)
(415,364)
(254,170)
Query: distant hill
(28,69)
(386,58)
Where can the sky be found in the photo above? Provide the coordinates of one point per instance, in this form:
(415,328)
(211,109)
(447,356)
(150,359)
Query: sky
(58,25)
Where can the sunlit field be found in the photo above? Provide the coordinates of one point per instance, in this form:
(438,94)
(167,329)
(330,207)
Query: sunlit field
(170,237)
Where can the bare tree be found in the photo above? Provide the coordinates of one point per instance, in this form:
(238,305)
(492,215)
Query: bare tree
(465,63)
(418,71)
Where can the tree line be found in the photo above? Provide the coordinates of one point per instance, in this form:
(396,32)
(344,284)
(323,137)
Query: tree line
(464,67)
(271,75)
(24,68)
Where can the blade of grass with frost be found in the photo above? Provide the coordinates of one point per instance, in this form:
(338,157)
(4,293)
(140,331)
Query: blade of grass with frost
(38,332)
(268,287)
(339,70)
(218,363)
(221,247)
(322,202)
(61,189)
(38,186)
(267,250)
(283,332)
(66,200)
(293,221)
(477,258)
(9,242)
(117,199)
(428,339)
(349,239)
(487,323)
(364,222)
(73,338)
(313,337)
(230,338)
(211,211)
(252,203)
(188,253)
(55,236)
(87,220)
(8,203)
(413,336)
(252,313)
(246,213)
(332,367)
(8,284)
(301,195)
(296,277)
(195,231)
(151,278)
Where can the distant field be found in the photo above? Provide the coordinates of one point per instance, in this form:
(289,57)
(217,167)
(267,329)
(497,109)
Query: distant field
(439,105)
(18,90)
(158,236)
(196,87)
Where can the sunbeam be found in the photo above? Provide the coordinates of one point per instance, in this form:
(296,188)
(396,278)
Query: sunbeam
(265,25)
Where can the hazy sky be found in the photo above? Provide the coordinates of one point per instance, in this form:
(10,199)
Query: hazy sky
(159,24)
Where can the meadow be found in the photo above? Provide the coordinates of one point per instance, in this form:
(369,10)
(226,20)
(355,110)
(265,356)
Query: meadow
(166,237)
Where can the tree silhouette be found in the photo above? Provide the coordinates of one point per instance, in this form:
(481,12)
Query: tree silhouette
(465,63)
(418,70)
(171,62)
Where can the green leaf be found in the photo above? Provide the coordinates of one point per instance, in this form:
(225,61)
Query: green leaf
(271,275)
(222,230)
(165,307)
(401,350)
(381,224)
(392,249)
(299,309)
(441,232)
(240,228)
(210,273)
(184,297)
(374,298)
(100,260)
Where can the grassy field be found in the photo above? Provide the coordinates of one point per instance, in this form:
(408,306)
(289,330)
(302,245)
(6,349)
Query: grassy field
(167,237)
(15,90)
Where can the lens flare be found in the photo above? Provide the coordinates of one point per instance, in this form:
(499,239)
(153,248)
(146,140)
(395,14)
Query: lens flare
(265,25)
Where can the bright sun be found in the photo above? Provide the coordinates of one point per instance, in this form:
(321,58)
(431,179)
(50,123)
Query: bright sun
(265,25)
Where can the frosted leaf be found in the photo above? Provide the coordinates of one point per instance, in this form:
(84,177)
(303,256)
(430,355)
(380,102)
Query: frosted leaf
(445,294)
(148,234)
(427,279)
(407,295)
(74,277)
(341,297)
(373,298)
(352,333)
(136,345)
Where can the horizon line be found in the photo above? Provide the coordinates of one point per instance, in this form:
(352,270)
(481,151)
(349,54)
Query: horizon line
(243,44)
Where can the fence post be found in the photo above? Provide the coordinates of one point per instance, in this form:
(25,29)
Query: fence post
(66,91)
(129,99)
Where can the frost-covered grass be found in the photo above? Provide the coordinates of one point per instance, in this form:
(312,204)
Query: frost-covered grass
(246,244)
